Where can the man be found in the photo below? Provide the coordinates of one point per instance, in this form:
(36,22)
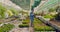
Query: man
(36,3)
(32,16)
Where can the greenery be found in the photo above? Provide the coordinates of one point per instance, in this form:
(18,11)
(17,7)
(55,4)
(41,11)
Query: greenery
(36,3)
(0,22)
(51,10)
(4,10)
(48,16)
(6,27)
(23,25)
(14,11)
(39,26)
(26,21)
(43,28)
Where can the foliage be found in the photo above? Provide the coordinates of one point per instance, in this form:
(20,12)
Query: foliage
(43,28)
(0,22)
(23,25)
(48,16)
(36,3)
(51,10)
(39,26)
(6,27)
(2,11)
(26,21)
(14,11)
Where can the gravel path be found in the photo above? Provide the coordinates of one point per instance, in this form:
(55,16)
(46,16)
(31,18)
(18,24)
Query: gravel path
(20,30)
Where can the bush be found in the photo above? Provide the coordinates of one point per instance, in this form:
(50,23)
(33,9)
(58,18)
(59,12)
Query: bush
(23,25)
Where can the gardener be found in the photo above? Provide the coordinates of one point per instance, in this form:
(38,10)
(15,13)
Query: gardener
(36,3)
(31,17)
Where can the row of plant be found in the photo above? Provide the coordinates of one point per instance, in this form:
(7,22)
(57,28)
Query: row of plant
(0,22)
(4,11)
(6,27)
(49,16)
(25,23)
(52,12)
(39,26)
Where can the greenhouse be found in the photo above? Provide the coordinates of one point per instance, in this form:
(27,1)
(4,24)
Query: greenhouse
(29,15)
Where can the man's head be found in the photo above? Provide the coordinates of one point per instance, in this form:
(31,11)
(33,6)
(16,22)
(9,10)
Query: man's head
(58,9)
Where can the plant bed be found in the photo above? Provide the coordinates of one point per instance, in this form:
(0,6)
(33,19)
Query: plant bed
(26,21)
(23,25)
(0,23)
(48,16)
(39,26)
(43,28)
(6,27)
